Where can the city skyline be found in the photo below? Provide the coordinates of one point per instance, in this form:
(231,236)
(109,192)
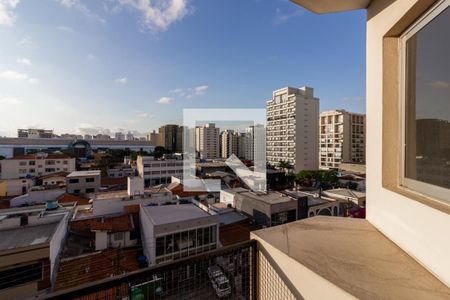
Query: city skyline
(70,72)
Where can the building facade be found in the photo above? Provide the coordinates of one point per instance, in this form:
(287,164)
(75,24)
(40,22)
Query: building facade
(342,138)
(171,138)
(157,172)
(171,232)
(207,141)
(35,133)
(83,182)
(35,165)
(292,128)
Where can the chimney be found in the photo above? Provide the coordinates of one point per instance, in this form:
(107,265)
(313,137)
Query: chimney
(135,185)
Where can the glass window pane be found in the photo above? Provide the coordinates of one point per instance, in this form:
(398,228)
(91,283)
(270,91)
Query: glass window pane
(427,103)
(206,236)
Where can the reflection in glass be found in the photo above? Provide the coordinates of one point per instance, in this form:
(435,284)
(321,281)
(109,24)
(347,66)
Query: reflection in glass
(427,119)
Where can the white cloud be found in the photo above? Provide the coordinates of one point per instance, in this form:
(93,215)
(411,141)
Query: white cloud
(65,29)
(9,100)
(13,75)
(83,9)
(440,85)
(27,42)
(7,15)
(122,80)
(190,92)
(158,15)
(165,100)
(283,17)
(200,90)
(24,61)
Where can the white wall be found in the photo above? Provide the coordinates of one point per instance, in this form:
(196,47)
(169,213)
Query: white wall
(115,205)
(101,240)
(36,197)
(227,198)
(57,242)
(147,237)
(423,232)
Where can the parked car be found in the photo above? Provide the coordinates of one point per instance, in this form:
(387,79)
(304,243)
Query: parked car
(219,281)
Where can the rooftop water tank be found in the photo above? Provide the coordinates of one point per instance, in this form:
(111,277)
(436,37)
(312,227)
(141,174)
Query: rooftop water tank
(51,204)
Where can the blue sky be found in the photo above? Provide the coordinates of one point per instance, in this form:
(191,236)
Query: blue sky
(101,66)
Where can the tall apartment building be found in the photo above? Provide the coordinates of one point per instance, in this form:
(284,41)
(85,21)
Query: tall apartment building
(229,143)
(342,138)
(207,141)
(153,138)
(35,165)
(171,138)
(255,142)
(33,133)
(292,128)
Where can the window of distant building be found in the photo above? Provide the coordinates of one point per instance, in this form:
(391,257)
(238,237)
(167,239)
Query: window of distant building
(90,179)
(73,180)
(426,104)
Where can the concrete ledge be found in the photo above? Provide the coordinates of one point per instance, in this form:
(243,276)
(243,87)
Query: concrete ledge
(352,255)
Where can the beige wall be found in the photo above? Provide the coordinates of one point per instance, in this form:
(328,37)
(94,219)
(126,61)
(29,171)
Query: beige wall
(420,230)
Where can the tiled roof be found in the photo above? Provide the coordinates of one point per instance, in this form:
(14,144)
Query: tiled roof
(67,198)
(56,174)
(108,181)
(111,224)
(96,266)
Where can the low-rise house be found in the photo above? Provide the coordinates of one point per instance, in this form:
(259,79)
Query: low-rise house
(172,232)
(58,178)
(311,204)
(15,187)
(83,182)
(109,231)
(157,172)
(30,244)
(266,209)
(114,202)
(359,198)
(35,165)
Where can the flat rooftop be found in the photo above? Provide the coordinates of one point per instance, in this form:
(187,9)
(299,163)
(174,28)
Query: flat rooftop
(124,193)
(354,256)
(84,173)
(166,214)
(26,236)
(269,198)
(345,193)
(235,190)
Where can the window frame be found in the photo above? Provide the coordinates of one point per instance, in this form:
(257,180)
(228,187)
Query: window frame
(426,189)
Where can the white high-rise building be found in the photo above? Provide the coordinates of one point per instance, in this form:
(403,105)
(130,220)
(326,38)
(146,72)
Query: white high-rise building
(255,142)
(293,129)
(228,143)
(207,141)
(342,138)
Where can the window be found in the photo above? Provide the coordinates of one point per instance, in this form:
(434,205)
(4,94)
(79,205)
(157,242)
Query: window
(73,180)
(20,275)
(426,104)
(159,246)
(118,236)
(32,163)
(90,179)
(22,163)
(90,190)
